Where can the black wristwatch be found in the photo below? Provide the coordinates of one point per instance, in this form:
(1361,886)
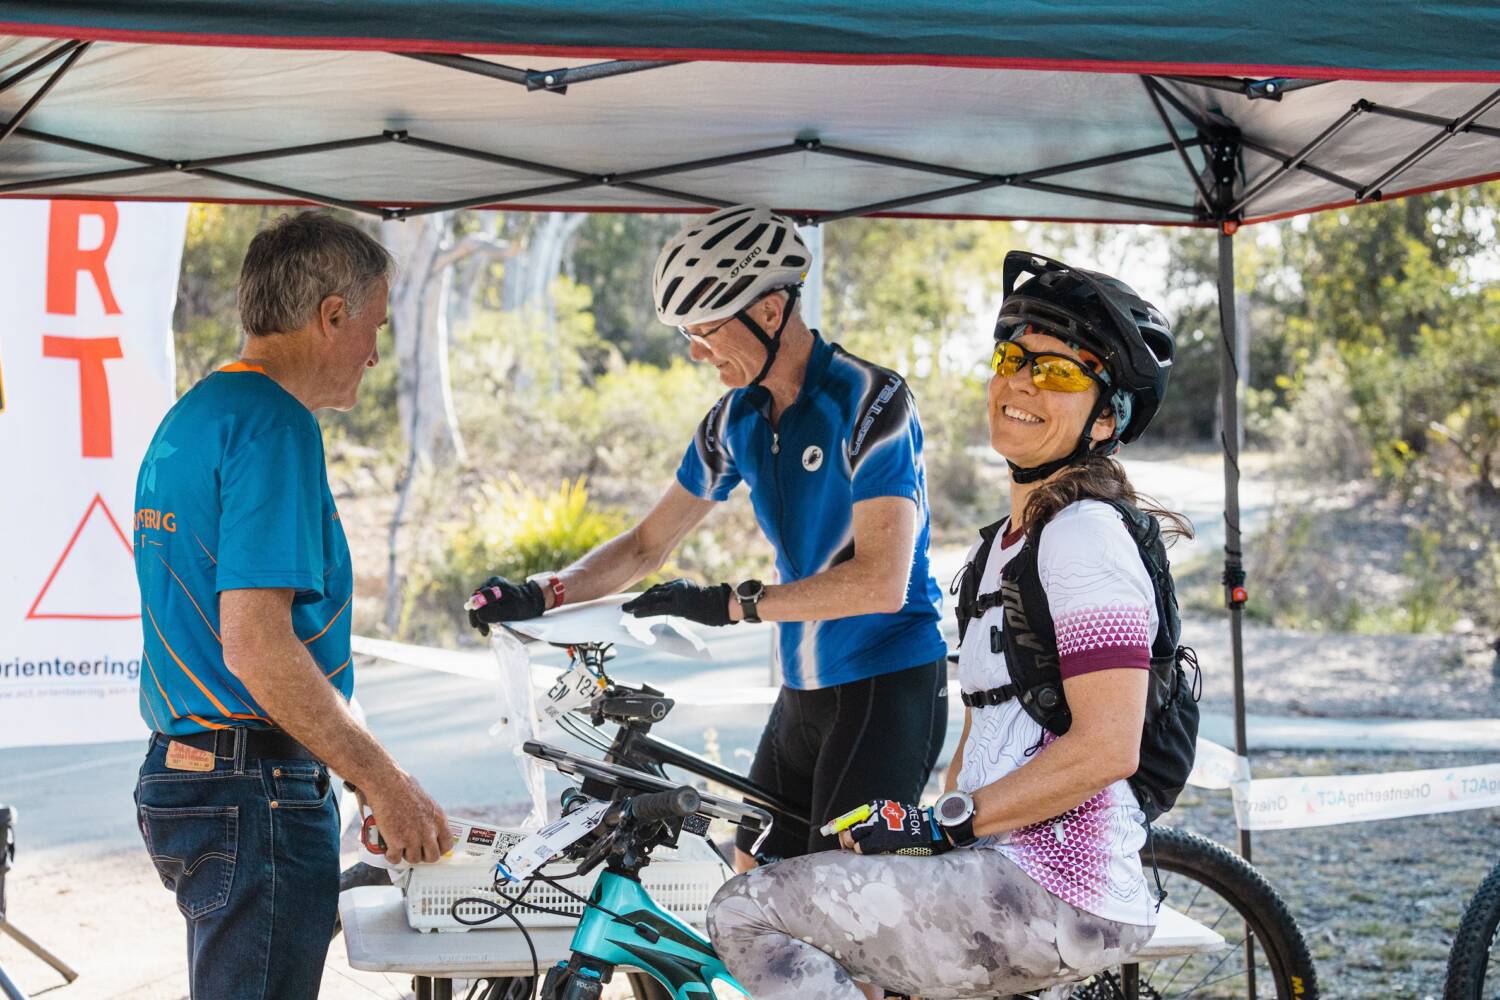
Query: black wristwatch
(954,812)
(749,594)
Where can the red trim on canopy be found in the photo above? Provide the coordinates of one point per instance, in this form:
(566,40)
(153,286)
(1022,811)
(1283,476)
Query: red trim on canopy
(337,43)
(1351,203)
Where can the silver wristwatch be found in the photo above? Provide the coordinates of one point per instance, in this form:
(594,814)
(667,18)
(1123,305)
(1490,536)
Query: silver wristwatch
(954,812)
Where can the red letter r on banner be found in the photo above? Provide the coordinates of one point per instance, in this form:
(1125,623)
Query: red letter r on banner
(66,259)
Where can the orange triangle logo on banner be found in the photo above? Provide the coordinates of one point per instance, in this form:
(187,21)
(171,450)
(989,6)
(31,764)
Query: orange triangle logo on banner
(96,504)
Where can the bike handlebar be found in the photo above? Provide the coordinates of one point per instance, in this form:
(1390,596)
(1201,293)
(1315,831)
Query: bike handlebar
(674,804)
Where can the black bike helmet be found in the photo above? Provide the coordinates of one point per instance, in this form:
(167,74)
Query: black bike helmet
(1105,316)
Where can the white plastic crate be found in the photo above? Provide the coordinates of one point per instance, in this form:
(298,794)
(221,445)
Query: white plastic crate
(682,882)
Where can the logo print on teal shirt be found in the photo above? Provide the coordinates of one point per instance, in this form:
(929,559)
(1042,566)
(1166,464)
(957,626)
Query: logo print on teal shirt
(160,451)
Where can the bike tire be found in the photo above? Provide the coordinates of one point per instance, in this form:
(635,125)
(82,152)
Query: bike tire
(1475,943)
(1189,860)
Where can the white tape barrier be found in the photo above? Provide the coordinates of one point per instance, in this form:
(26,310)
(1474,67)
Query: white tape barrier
(1216,767)
(1329,800)
(1295,803)
(1259,803)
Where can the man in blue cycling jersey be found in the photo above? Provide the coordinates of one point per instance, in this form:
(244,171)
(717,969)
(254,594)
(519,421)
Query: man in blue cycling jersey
(830,447)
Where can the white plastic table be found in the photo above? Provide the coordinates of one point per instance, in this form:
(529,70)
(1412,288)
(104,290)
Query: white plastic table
(378,939)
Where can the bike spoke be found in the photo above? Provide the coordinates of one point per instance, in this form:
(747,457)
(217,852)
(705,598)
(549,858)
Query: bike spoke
(1216,966)
(1221,979)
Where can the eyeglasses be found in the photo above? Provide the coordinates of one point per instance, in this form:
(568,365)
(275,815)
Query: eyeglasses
(1053,372)
(690,336)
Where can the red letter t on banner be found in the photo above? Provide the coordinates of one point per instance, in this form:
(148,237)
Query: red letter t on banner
(93,386)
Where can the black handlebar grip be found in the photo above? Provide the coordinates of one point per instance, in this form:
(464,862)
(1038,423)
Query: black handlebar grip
(678,802)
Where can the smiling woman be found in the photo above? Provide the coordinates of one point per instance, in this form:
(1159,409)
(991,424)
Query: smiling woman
(1027,872)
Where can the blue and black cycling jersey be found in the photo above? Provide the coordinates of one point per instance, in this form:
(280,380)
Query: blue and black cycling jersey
(852,434)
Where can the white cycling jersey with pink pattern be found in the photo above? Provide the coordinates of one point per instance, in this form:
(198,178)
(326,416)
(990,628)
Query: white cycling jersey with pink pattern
(1104,615)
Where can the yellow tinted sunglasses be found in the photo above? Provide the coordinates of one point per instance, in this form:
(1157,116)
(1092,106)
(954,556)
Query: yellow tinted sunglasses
(1053,372)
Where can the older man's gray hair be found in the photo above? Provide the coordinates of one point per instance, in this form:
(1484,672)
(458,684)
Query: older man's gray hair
(300,260)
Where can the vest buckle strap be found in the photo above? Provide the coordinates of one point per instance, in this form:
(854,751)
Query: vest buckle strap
(994,696)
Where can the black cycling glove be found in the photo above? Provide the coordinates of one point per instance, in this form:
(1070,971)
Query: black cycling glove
(705,605)
(499,600)
(897,828)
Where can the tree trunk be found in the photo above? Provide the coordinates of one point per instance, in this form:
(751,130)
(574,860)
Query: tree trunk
(419,316)
(421,307)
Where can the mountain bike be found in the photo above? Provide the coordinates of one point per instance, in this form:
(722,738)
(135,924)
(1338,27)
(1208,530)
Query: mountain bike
(1225,934)
(1474,960)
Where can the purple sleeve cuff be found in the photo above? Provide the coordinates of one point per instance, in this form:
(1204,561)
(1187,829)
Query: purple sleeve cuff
(1076,664)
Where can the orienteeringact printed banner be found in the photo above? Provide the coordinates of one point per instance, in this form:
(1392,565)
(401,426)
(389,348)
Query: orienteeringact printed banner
(86,373)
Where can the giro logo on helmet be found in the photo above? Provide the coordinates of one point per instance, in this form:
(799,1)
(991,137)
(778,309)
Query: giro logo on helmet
(746,262)
(812,458)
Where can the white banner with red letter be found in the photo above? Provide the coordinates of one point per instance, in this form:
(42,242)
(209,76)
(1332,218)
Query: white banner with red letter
(86,373)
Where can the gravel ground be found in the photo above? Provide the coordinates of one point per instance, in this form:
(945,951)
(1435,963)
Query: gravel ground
(1331,675)
(1377,902)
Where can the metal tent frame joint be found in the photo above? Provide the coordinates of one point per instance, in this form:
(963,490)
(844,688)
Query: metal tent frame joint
(1226,170)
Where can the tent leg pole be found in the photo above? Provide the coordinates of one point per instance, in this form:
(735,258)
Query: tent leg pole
(1229,396)
(1234,571)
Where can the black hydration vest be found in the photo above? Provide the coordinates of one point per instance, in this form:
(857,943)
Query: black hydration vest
(1029,642)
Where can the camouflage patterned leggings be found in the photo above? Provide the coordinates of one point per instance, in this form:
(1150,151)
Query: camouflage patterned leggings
(968,923)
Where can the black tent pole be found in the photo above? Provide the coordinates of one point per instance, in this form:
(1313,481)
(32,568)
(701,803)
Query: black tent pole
(1234,567)
(1226,173)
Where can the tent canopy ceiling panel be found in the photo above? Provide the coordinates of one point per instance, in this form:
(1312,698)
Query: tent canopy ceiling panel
(1013,110)
(1352,39)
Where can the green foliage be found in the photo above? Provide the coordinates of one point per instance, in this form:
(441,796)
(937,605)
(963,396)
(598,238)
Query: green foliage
(612,256)
(915,295)
(510,529)
(1427,601)
(1395,288)
(206,319)
(516,530)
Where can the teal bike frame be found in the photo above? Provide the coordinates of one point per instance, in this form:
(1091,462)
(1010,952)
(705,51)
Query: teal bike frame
(646,937)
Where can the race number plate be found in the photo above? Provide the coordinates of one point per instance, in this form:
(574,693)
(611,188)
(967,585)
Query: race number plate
(572,690)
(539,848)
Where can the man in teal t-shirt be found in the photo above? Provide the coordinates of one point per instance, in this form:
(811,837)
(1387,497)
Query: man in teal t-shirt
(246,589)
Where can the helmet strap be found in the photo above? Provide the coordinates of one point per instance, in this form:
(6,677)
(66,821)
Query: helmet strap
(1080,453)
(772,343)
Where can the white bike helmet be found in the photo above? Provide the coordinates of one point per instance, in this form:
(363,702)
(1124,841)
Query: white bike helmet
(714,267)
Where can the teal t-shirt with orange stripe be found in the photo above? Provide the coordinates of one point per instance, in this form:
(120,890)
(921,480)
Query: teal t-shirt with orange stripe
(233,494)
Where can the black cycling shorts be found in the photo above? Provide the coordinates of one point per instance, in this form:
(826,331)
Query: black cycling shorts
(826,751)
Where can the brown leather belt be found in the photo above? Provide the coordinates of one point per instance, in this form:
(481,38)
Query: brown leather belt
(272,744)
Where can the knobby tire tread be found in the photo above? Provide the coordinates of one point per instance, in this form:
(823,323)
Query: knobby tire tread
(1470,954)
(1256,900)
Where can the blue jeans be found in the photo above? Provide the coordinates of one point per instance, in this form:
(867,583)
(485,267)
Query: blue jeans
(251,850)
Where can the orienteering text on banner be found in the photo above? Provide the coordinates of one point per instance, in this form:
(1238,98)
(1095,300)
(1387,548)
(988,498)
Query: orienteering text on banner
(88,371)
